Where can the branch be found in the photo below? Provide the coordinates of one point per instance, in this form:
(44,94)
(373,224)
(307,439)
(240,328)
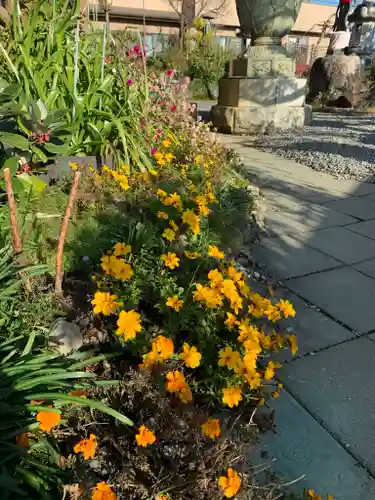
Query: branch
(63,231)
(17,244)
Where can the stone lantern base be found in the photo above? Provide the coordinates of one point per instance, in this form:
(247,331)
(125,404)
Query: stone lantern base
(260,105)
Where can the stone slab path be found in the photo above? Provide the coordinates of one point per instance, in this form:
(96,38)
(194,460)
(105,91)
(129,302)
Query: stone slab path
(321,245)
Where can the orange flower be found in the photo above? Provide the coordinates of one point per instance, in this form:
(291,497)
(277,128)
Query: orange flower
(215,252)
(230,483)
(232,396)
(211,428)
(87,447)
(103,491)
(79,393)
(186,395)
(163,347)
(175,303)
(175,381)
(48,419)
(145,436)
(23,440)
(191,357)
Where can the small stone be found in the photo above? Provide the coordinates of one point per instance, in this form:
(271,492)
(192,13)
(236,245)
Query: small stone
(256,275)
(65,336)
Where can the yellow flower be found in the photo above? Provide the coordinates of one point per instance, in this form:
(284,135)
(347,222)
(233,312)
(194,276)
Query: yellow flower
(162,497)
(104,303)
(186,395)
(159,157)
(250,361)
(231,320)
(160,193)
(215,252)
(286,308)
(211,297)
(216,278)
(48,419)
(145,437)
(202,201)
(253,379)
(166,143)
(173,200)
(113,266)
(170,260)
(229,290)
(270,370)
(229,358)
(190,356)
(163,346)
(121,249)
(234,274)
(293,344)
(73,166)
(169,234)
(247,331)
(175,381)
(162,215)
(312,495)
(168,157)
(103,491)
(192,220)
(129,324)
(122,270)
(232,396)
(87,447)
(192,255)
(173,225)
(211,428)
(175,303)
(149,360)
(230,483)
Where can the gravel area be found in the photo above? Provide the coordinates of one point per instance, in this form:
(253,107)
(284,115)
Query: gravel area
(340,144)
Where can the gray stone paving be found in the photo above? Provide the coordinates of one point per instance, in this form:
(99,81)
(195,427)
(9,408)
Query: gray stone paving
(320,242)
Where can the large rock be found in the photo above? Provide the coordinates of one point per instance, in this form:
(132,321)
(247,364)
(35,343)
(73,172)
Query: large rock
(339,78)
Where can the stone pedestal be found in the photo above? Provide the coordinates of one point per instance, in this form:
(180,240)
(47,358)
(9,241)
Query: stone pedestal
(261,93)
(260,105)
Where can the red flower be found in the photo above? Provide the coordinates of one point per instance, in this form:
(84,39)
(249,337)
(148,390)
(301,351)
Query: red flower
(174,107)
(107,59)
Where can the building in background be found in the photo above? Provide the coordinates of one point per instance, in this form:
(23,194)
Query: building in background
(159,21)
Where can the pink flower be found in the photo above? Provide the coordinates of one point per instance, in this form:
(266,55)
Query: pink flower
(107,59)
(129,53)
(153,151)
(137,49)
(130,81)
(171,72)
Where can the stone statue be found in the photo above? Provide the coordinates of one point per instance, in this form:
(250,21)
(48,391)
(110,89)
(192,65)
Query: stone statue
(261,92)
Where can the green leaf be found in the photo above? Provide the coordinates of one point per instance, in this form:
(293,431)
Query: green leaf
(14,141)
(96,405)
(32,182)
(60,149)
(13,164)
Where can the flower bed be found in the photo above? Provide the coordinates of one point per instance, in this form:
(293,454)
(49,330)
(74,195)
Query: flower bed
(162,405)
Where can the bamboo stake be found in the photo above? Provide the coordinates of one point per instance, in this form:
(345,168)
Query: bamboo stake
(17,244)
(63,231)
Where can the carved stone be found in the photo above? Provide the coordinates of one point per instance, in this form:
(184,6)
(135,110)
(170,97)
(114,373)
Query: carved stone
(261,93)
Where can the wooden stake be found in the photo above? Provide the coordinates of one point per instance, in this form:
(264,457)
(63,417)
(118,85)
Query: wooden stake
(17,244)
(63,231)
